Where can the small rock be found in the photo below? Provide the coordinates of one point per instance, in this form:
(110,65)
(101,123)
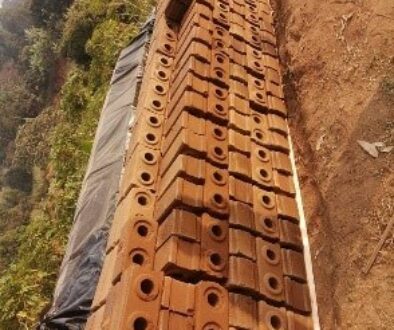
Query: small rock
(379,144)
(386,149)
(370,148)
(319,142)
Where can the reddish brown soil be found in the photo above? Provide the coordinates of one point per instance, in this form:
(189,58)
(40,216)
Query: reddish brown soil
(338,63)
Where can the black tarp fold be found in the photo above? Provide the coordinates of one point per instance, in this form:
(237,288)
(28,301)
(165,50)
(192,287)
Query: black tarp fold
(84,256)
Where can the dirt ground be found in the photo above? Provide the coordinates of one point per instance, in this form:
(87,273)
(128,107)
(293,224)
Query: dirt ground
(338,59)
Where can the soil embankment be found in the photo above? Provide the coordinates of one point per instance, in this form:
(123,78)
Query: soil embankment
(339,76)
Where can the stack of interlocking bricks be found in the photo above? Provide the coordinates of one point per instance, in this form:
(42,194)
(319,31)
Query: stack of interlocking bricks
(205,235)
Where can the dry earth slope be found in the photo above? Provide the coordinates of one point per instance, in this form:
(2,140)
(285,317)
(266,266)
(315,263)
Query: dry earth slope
(339,59)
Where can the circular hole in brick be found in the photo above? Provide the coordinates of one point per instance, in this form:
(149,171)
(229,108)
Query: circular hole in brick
(219,73)
(146,177)
(219,108)
(263,154)
(222,16)
(255,39)
(263,173)
(142,200)
(138,259)
(218,133)
(259,135)
(217,231)
(170,36)
(140,323)
(253,17)
(218,151)
(259,96)
(215,259)
(273,283)
(254,29)
(164,61)
(222,6)
(218,176)
(257,83)
(162,74)
(157,104)
(256,119)
(220,44)
(153,120)
(256,53)
(266,200)
(142,230)
(257,64)
(218,199)
(271,255)
(219,93)
(151,137)
(213,299)
(220,59)
(276,322)
(147,286)
(159,89)
(168,48)
(268,223)
(149,157)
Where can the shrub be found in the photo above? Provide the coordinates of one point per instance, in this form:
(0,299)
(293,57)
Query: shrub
(18,178)
(38,57)
(82,18)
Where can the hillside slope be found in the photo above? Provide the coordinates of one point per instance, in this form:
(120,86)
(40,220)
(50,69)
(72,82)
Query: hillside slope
(60,66)
(340,88)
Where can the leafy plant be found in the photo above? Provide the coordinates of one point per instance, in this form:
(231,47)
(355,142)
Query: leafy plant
(55,145)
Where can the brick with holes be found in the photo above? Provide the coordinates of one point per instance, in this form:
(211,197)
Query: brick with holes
(217,144)
(269,265)
(137,202)
(140,309)
(141,170)
(218,103)
(212,308)
(214,246)
(136,245)
(270,317)
(216,191)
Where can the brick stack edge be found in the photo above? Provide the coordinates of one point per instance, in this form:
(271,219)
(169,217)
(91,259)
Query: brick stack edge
(206,235)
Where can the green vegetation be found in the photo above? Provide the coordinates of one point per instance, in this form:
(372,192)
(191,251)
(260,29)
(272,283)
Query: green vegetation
(56,59)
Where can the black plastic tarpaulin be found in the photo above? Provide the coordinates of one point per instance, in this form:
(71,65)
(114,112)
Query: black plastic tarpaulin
(84,256)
